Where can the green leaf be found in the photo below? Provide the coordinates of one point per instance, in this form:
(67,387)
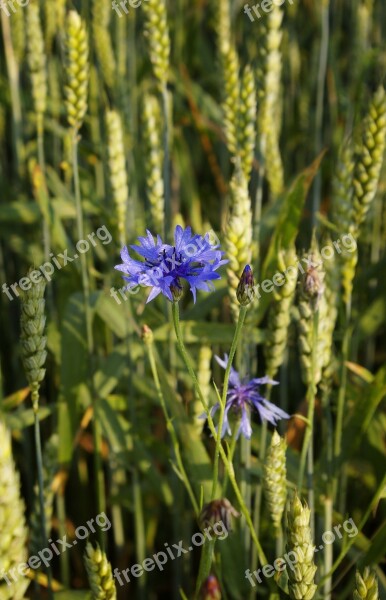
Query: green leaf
(372,318)
(196,332)
(196,458)
(26,418)
(74,374)
(364,409)
(113,314)
(112,426)
(287,225)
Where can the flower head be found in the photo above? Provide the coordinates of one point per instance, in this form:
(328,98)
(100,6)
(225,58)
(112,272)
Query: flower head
(192,257)
(244,395)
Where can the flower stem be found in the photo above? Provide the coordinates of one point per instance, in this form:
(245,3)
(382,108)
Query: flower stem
(166,165)
(307,448)
(171,430)
(346,547)
(46,229)
(340,409)
(96,429)
(259,486)
(227,464)
(39,463)
(231,453)
(235,341)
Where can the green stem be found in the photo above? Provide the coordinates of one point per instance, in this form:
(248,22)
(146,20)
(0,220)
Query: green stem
(231,453)
(307,450)
(208,550)
(227,464)
(39,463)
(171,430)
(259,202)
(235,341)
(166,165)
(328,550)
(259,487)
(341,406)
(96,429)
(378,494)
(46,229)
(64,560)
(140,535)
(14,86)
(321,81)
(205,565)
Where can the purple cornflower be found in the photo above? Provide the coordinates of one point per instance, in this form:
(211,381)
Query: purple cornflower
(192,257)
(242,396)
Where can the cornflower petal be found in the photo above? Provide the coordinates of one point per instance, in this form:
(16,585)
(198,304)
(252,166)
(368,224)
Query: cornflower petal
(242,396)
(192,258)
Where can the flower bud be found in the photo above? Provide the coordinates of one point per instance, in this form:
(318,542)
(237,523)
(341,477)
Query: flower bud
(147,334)
(210,589)
(216,511)
(177,291)
(246,289)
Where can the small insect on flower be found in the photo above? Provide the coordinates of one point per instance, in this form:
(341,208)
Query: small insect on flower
(244,395)
(192,258)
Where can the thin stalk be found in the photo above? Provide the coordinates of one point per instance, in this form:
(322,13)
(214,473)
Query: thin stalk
(258,203)
(245,487)
(166,163)
(328,550)
(39,463)
(231,453)
(46,229)
(228,466)
(378,494)
(96,429)
(171,430)
(208,550)
(327,432)
(323,57)
(14,86)
(341,406)
(223,399)
(307,452)
(139,525)
(259,487)
(279,541)
(205,565)
(64,556)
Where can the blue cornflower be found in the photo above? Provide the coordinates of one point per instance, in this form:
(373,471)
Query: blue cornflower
(242,396)
(192,257)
